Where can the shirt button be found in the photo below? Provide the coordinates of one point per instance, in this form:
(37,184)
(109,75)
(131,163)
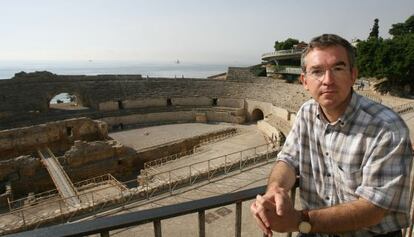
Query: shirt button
(329,175)
(327,153)
(327,198)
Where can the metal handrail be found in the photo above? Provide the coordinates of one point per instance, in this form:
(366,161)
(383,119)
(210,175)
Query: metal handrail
(173,157)
(282,52)
(104,225)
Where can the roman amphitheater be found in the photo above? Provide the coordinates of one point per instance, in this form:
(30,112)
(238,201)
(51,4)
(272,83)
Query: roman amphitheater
(128,142)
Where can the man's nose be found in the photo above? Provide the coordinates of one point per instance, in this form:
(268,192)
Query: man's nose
(328,77)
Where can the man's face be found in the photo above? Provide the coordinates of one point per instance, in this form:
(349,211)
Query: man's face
(329,78)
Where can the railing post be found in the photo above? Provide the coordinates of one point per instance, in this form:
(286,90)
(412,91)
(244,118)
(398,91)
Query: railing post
(225,164)
(24,220)
(410,231)
(201,223)
(189,169)
(61,210)
(93,201)
(238,219)
(208,170)
(267,153)
(8,201)
(157,228)
(241,160)
(105,233)
(147,188)
(169,181)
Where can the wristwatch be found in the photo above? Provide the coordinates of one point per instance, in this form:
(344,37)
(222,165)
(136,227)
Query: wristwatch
(304,224)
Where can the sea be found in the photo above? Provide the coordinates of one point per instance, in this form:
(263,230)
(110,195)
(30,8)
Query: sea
(174,69)
(169,69)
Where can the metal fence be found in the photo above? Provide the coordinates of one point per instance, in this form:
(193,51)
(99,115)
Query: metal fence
(173,157)
(96,198)
(156,182)
(104,225)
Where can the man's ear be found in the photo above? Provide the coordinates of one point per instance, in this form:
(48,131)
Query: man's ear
(354,74)
(303,81)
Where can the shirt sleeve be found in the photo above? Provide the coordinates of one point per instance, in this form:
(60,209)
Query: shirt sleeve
(290,151)
(386,174)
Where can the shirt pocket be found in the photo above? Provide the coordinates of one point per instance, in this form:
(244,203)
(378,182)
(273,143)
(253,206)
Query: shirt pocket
(348,179)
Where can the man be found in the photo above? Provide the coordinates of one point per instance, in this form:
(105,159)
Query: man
(352,156)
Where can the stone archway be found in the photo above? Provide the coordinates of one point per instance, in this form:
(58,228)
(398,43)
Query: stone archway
(257,115)
(66,101)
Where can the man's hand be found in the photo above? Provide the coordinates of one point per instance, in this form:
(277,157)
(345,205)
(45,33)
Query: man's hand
(275,211)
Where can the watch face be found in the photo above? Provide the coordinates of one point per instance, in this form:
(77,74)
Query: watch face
(305,227)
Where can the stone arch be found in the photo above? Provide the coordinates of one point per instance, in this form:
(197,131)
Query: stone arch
(257,115)
(71,101)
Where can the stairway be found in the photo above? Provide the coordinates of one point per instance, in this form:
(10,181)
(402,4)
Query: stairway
(61,180)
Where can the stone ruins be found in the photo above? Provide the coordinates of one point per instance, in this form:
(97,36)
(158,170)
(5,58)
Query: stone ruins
(44,147)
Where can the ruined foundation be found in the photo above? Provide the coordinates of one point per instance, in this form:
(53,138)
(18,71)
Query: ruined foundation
(45,151)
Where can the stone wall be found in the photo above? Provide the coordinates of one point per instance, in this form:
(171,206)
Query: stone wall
(27,98)
(91,159)
(182,115)
(251,105)
(81,161)
(192,101)
(144,103)
(58,136)
(151,118)
(87,159)
(232,103)
(126,100)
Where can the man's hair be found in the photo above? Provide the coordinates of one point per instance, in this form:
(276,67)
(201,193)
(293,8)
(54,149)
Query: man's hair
(328,40)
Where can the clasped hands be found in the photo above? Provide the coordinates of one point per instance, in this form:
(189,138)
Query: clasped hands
(275,211)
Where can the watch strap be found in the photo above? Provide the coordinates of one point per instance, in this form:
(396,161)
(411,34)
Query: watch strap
(304,215)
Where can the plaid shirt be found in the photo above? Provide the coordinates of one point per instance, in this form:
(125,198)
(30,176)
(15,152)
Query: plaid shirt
(366,153)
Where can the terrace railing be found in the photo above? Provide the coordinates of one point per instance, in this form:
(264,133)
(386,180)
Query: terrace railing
(104,225)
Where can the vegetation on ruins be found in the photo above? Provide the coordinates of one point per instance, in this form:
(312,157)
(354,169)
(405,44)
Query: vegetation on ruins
(391,60)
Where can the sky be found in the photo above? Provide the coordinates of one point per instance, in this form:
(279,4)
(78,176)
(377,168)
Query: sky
(199,31)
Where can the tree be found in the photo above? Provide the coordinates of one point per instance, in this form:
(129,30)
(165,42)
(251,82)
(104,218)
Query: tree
(366,57)
(397,29)
(403,28)
(287,44)
(392,59)
(375,30)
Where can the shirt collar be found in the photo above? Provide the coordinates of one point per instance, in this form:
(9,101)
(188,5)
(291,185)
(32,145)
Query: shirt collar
(349,113)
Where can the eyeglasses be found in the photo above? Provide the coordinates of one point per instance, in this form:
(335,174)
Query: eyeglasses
(338,71)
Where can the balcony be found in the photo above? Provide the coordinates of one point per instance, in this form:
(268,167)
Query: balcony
(103,226)
(282,54)
(107,226)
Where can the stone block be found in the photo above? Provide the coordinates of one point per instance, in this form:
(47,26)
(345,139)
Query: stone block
(108,106)
(201,118)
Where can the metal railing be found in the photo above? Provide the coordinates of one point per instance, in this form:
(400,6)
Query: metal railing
(173,157)
(404,108)
(36,199)
(159,181)
(282,53)
(282,69)
(54,211)
(371,96)
(104,225)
